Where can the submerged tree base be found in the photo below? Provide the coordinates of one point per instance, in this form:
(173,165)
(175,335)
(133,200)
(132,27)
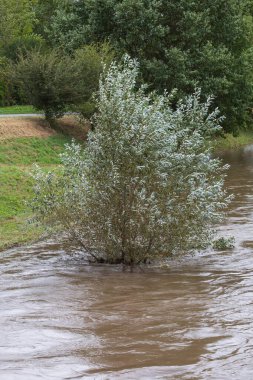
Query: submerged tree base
(118,261)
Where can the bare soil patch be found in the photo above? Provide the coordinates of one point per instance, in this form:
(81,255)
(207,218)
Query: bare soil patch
(15,127)
(24,127)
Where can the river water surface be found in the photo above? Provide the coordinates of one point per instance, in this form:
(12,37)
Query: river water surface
(63,319)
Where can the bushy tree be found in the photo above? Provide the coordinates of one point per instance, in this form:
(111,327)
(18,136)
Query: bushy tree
(181,44)
(44,11)
(65,30)
(47,81)
(146,185)
(62,23)
(17,24)
(55,83)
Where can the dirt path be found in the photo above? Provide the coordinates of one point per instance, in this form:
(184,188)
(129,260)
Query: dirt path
(18,115)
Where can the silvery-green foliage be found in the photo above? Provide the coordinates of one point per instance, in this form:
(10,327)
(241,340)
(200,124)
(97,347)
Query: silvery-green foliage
(146,185)
(224,243)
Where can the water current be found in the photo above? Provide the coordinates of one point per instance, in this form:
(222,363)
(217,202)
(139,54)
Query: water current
(63,319)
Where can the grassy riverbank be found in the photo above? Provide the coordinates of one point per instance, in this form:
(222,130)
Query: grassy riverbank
(17,154)
(17,110)
(16,159)
(231,142)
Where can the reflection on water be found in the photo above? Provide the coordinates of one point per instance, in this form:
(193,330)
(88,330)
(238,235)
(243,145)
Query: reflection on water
(62,319)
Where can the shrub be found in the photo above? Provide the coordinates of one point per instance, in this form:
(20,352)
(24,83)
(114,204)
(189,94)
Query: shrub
(56,83)
(5,97)
(224,243)
(47,81)
(146,186)
(89,61)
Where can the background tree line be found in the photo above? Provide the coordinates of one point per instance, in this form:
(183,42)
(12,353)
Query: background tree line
(180,44)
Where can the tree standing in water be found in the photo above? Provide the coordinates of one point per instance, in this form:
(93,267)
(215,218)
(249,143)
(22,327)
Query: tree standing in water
(146,186)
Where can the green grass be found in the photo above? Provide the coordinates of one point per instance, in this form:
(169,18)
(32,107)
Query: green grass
(16,185)
(231,142)
(17,110)
(16,159)
(27,151)
(15,190)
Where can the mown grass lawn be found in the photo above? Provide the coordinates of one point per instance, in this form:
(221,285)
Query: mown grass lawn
(18,110)
(16,159)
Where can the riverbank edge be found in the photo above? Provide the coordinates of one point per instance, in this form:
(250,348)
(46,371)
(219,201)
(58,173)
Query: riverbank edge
(231,142)
(220,144)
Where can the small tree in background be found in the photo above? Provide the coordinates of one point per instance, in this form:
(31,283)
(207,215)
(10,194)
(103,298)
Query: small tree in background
(57,83)
(47,81)
(146,187)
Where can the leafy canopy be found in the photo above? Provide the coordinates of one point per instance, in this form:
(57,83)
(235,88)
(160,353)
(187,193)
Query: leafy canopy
(179,44)
(56,82)
(146,186)
(17,19)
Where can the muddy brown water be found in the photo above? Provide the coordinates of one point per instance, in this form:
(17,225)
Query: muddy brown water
(63,319)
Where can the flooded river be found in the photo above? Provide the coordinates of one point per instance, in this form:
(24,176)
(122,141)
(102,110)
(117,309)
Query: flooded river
(62,319)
